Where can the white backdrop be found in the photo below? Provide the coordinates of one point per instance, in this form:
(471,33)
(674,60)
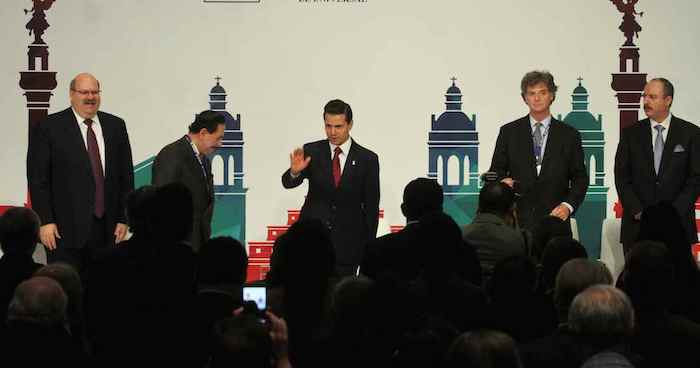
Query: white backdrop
(281,60)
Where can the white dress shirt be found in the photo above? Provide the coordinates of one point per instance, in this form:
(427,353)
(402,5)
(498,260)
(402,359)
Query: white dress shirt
(666,124)
(545,133)
(345,147)
(97,128)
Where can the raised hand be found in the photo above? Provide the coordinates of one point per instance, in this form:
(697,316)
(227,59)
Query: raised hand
(297,161)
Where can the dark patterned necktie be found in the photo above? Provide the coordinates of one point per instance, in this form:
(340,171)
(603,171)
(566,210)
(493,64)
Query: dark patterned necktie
(537,142)
(336,166)
(97,173)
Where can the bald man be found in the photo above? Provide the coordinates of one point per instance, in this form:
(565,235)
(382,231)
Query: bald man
(79,170)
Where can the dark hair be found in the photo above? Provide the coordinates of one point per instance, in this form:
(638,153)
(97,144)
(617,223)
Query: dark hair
(19,230)
(547,228)
(496,198)
(648,277)
(241,341)
(173,212)
(139,207)
(513,277)
(668,86)
(558,251)
(222,260)
(440,232)
(207,119)
(420,197)
(483,348)
(338,107)
(536,77)
(574,277)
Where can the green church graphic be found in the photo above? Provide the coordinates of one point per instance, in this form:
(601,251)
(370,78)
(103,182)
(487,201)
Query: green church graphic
(227,168)
(453,157)
(590,215)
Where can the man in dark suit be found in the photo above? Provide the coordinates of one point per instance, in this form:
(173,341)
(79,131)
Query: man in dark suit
(79,171)
(541,157)
(186,161)
(343,186)
(658,160)
(402,252)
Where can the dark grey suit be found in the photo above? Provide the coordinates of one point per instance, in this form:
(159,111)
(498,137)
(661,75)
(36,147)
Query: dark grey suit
(177,162)
(351,211)
(638,185)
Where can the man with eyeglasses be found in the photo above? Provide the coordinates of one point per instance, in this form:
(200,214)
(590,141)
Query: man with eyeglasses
(541,157)
(79,170)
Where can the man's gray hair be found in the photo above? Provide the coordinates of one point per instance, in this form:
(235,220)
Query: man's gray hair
(603,315)
(575,276)
(40,300)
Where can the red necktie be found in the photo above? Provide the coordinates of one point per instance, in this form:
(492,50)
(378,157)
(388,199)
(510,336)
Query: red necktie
(96,163)
(336,166)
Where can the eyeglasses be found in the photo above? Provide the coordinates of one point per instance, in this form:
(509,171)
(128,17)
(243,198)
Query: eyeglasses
(84,92)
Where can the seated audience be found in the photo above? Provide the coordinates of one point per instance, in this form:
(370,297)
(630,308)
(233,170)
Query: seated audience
(490,233)
(648,278)
(137,292)
(483,349)
(602,319)
(299,282)
(514,307)
(250,340)
(221,273)
(36,335)
(560,350)
(399,252)
(69,279)
(19,233)
(661,222)
(545,230)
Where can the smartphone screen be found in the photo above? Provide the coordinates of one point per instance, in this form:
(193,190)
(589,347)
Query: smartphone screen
(257,294)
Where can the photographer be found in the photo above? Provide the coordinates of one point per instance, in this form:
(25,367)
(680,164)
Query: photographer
(251,338)
(492,233)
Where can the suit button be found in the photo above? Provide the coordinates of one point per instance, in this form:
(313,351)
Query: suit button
(333,207)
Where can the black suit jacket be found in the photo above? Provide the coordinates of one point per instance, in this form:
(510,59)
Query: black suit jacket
(637,184)
(351,211)
(562,178)
(61,183)
(177,162)
(398,252)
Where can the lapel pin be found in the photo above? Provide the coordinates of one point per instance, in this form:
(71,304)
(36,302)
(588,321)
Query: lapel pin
(353,162)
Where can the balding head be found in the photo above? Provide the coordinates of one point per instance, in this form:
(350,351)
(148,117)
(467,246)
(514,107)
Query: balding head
(575,276)
(602,316)
(85,95)
(39,300)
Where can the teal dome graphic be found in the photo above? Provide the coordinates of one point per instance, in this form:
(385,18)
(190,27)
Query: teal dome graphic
(590,215)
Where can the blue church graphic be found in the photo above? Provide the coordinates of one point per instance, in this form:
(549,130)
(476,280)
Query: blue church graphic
(227,168)
(453,157)
(593,210)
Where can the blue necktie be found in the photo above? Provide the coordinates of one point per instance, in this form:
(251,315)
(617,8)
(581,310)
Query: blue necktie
(658,147)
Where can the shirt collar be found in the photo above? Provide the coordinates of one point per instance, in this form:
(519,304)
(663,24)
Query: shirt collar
(345,147)
(194,146)
(664,123)
(545,122)
(80,119)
